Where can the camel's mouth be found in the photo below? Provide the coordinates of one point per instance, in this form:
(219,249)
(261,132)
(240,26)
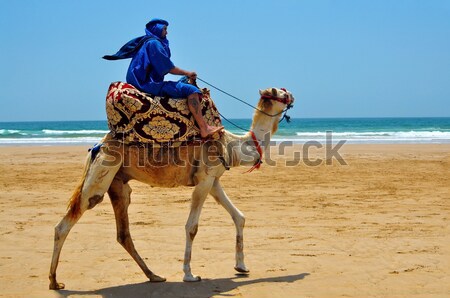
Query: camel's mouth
(288,98)
(292,99)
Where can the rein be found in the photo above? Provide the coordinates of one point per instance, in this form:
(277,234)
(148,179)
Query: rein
(282,100)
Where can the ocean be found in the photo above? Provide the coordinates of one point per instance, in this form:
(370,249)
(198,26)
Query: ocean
(352,130)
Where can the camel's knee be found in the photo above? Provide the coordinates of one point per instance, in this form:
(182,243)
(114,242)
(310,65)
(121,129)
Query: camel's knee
(58,233)
(122,237)
(191,230)
(239,220)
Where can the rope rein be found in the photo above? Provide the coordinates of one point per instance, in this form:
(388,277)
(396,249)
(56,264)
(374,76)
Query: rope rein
(232,123)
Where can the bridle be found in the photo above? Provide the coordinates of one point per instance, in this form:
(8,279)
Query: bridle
(287,100)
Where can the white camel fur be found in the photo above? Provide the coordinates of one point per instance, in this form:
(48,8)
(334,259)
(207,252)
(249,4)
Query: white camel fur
(107,172)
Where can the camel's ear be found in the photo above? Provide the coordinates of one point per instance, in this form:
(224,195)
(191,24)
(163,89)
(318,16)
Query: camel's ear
(261,92)
(274,92)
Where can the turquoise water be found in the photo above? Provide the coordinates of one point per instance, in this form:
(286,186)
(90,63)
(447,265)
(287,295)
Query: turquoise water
(353,130)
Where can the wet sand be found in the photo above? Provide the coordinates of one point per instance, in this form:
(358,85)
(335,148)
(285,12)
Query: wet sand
(376,227)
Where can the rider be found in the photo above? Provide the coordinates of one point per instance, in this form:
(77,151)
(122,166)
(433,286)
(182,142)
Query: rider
(151,62)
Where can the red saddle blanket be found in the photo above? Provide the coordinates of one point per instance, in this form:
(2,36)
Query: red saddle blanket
(138,117)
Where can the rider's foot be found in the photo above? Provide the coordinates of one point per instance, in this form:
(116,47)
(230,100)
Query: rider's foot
(210,130)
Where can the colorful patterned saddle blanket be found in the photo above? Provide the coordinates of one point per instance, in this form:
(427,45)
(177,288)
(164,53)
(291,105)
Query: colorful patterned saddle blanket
(137,117)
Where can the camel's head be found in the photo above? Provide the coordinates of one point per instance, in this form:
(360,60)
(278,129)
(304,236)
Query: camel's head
(275,100)
(277,94)
(273,103)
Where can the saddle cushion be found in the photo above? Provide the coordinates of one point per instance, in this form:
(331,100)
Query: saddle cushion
(138,117)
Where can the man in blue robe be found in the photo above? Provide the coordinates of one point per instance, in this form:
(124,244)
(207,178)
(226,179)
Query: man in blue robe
(151,62)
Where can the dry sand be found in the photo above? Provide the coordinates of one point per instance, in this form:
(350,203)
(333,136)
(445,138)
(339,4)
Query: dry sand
(377,227)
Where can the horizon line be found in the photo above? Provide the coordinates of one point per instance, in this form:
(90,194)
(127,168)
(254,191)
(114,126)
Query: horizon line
(298,118)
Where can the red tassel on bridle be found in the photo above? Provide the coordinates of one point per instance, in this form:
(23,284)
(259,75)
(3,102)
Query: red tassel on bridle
(258,163)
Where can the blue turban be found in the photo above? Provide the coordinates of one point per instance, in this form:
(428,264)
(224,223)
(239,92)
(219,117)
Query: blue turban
(156,27)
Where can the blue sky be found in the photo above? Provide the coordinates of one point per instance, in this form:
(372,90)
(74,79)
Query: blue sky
(339,58)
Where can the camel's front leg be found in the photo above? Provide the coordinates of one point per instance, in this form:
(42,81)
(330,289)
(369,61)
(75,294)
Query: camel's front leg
(198,198)
(239,220)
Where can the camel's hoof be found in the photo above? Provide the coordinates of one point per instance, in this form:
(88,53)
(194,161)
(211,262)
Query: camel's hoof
(192,278)
(156,278)
(56,286)
(241,269)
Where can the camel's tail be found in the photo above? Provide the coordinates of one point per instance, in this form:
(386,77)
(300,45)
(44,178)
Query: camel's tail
(75,201)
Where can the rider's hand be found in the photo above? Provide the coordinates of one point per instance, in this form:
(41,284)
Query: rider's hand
(192,75)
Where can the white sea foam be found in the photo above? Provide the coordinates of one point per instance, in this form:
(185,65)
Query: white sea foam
(54,141)
(369,137)
(380,134)
(8,131)
(87,136)
(77,132)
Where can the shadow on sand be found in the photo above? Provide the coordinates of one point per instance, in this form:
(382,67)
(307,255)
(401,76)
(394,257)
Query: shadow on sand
(205,288)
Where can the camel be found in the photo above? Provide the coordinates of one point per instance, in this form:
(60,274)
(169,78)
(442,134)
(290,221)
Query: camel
(114,164)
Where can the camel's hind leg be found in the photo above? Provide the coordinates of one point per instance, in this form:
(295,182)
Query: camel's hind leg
(93,185)
(239,220)
(61,232)
(119,193)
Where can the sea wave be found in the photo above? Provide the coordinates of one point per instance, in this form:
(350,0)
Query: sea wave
(50,141)
(8,131)
(91,136)
(46,132)
(368,137)
(74,132)
(380,134)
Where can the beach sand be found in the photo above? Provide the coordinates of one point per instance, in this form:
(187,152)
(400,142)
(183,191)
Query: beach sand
(376,227)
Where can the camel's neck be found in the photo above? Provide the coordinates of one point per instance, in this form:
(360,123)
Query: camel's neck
(242,149)
(262,128)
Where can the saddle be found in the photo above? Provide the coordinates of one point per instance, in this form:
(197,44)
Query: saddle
(135,117)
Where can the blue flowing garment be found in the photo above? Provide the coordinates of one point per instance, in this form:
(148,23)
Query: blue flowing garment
(151,62)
